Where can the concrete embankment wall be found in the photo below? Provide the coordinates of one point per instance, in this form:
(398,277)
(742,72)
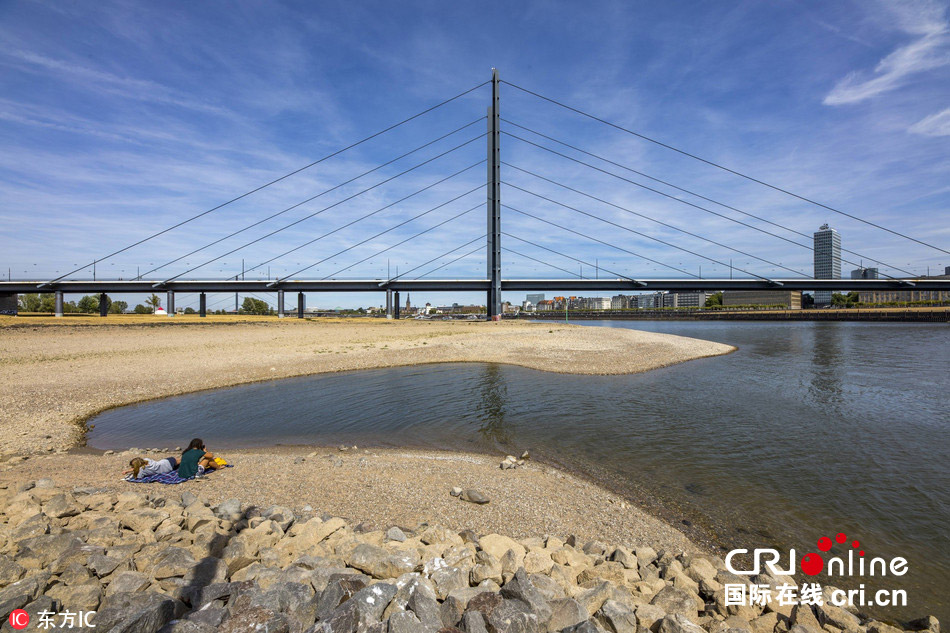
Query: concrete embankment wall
(912,316)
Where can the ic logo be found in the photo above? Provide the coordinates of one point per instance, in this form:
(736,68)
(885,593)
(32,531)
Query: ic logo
(19,619)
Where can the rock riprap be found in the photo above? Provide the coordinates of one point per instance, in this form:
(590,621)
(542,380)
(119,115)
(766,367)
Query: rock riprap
(160,559)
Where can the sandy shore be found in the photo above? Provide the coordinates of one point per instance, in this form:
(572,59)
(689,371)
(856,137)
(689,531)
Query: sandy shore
(54,374)
(391,487)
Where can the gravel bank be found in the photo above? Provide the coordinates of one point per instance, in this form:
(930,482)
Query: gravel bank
(388,487)
(166,560)
(54,374)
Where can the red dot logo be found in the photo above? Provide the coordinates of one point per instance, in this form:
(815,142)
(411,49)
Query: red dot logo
(19,619)
(812,564)
(824,544)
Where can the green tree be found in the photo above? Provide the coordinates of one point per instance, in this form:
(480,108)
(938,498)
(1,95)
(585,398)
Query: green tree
(808,300)
(47,302)
(254,306)
(154,302)
(140,309)
(844,301)
(30,302)
(118,307)
(88,304)
(714,300)
(70,307)
(190,311)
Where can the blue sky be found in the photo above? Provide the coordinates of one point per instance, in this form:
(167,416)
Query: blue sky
(118,119)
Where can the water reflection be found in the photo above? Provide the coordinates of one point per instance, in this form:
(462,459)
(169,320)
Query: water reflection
(827,365)
(492,405)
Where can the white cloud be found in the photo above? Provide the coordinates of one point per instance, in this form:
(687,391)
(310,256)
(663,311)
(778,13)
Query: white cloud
(930,50)
(935,125)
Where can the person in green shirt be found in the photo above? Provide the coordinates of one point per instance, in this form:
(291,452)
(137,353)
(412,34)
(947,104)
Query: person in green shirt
(195,460)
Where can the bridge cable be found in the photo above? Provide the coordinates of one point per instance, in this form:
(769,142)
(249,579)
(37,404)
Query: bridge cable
(580,261)
(724,168)
(335,204)
(471,252)
(449,252)
(372,237)
(370,214)
(276,180)
(589,237)
(322,193)
(412,237)
(686,202)
(705,239)
(514,252)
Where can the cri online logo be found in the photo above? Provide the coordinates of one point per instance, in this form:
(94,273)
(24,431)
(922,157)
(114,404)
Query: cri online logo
(19,619)
(813,563)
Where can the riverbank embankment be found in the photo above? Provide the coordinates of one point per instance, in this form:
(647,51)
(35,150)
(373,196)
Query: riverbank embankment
(171,559)
(54,374)
(867,315)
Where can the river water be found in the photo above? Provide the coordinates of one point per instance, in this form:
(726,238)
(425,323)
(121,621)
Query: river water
(809,429)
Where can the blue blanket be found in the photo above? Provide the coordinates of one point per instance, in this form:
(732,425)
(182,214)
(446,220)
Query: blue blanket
(168,478)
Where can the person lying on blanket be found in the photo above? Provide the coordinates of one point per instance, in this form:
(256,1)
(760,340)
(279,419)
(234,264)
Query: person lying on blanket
(143,466)
(196,460)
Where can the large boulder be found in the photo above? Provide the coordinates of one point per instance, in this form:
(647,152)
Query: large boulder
(128,582)
(512,616)
(521,588)
(678,623)
(566,613)
(23,592)
(380,563)
(617,617)
(673,600)
(171,562)
(136,612)
(498,545)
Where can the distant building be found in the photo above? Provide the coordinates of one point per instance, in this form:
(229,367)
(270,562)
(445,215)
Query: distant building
(649,301)
(791,299)
(864,273)
(946,271)
(527,306)
(535,298)
(685,299)
(622,302)
(598,303)
(906,296)
(545,305)
(827,260)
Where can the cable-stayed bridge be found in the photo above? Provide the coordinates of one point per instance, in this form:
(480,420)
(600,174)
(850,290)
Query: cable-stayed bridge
(522,181)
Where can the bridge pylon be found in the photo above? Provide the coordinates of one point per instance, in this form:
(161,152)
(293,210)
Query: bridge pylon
(494,203)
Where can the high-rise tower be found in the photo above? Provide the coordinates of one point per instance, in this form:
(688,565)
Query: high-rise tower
(827,260)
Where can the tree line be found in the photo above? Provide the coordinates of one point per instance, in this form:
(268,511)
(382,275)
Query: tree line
(89,304)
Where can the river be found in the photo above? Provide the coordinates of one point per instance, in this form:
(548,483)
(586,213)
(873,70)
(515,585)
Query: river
(809,429)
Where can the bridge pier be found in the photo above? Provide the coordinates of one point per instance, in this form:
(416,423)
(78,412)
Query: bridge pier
(170,302)
(280,304)
(103,306)
(396,305)
(59,303)
(389,304)
(202,305)
(300,305)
